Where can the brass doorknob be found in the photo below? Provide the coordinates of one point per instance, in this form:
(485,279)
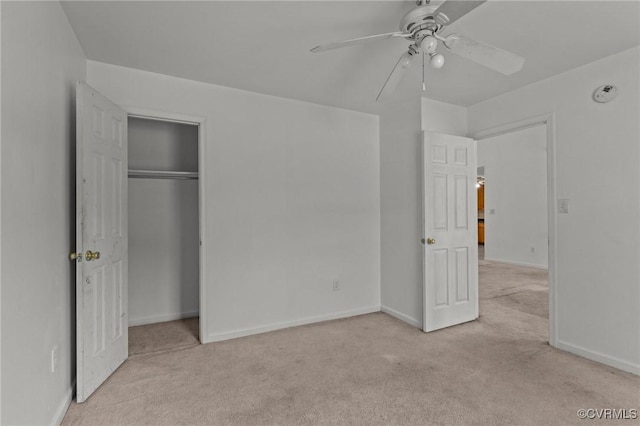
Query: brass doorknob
(92,255)
(431,241)
(75,256)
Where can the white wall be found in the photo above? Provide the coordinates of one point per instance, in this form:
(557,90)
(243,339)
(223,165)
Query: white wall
(163,220)
(400,211)
(41,60)
(598,170)
(0,223)
(515,197)
(401,125)
(444,118)
(292,201)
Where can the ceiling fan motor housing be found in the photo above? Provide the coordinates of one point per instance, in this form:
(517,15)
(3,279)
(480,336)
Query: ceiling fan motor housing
(419,22)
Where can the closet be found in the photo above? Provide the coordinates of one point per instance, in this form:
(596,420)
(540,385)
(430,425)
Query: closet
(163,217)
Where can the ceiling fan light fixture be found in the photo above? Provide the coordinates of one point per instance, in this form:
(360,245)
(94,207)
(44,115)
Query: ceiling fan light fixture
(406,60)
(436,61)
(422,27)
(429,44)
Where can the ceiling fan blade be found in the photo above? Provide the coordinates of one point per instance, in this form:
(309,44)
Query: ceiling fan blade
(484,54)
(452,10)
(360,40)
(396,75)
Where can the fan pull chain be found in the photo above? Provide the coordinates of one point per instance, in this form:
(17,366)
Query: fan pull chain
(424,86)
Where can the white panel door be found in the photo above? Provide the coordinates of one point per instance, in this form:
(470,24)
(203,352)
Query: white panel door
(451,231)
(101,239)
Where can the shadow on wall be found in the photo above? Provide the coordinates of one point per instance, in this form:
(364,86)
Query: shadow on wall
(71,146)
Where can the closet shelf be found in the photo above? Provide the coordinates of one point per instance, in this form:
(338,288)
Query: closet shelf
(158,174)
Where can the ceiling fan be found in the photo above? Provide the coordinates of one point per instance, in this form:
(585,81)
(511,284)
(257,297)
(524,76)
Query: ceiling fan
(422,26)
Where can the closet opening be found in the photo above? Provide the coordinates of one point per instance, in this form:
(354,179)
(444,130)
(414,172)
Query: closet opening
(164,234)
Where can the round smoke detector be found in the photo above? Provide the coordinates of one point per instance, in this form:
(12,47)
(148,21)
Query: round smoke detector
(605,93)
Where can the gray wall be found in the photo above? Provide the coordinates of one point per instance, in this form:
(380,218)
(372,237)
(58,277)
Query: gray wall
(401,210)
(292,201)
(163,223)
(41,61)
(401,126)
(515,197)
(597,169)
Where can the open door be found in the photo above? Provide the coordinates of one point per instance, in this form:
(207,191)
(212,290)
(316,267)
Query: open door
(450,226)
(101,239)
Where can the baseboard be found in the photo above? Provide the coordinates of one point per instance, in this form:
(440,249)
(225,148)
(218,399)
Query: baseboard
(64,405)
(162,318)
(402,317)
(512,262)
(599,357)
(218,337)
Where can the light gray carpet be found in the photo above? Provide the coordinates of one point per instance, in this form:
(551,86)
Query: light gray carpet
(164,336)
(373,369)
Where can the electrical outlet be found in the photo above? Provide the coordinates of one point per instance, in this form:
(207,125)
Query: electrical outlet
(54,359)
(336,285)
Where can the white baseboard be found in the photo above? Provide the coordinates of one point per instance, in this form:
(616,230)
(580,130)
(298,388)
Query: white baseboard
(161,318)
(402,317)
(218,337)
(64,406)
(599,357)
(512,262)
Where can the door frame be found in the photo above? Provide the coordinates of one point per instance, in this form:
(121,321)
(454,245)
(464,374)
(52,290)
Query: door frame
(173,117)
(552,232)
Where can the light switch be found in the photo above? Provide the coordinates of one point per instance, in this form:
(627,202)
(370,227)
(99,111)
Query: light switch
(563,205)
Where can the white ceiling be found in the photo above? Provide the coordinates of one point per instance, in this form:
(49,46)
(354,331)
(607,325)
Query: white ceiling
(263,46)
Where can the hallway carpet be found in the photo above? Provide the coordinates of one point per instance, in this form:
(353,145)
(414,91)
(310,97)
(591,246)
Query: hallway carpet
(373,369)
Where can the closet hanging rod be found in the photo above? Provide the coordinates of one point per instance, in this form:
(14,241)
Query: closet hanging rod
(159,174)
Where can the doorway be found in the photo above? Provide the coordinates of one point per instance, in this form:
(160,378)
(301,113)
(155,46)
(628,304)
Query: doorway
(164,234)
(480,197)
(102,232)
(516,175)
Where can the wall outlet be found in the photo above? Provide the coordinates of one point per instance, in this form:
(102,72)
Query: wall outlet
(336,285)
(54,359)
